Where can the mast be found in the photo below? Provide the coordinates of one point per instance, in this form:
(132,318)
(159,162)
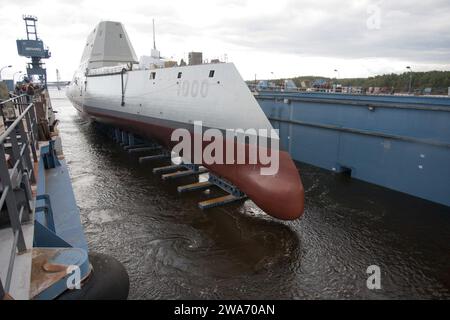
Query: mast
(154,41)
(155,53)
(58,79)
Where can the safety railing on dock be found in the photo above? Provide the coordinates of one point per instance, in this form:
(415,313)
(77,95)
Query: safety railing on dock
(18,145)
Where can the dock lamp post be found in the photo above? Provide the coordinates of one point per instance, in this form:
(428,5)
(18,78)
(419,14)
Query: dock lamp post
(10,66)
(337,77)
(14,76)
(410,79)
(337,74)
(273,78)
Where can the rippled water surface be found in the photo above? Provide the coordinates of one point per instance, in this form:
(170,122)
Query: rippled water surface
(172,249)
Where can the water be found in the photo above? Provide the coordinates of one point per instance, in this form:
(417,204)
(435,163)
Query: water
(171,249)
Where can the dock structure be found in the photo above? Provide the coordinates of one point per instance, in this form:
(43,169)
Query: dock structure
(143,148)
(36,227)
(166,169)
(161,156)
(136,145)
(233,193)
(195,186)
(43,250)
(398,142)
(220,201)
(133,144)
(41,235)
(183,173)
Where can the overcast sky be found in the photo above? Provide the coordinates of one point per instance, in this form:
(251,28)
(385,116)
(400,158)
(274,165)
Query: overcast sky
(281,38)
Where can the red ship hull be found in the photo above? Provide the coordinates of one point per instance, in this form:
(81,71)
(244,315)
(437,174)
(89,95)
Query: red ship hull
(280,195)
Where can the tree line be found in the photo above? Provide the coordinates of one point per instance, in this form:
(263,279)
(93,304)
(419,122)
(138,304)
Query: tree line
(438,81)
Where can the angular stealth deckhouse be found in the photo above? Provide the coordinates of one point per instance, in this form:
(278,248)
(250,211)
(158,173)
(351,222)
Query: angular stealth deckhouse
(110,88)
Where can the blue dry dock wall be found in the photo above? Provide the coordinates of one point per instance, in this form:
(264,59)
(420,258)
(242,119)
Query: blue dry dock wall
(400,142)
(57,217)
(57,222)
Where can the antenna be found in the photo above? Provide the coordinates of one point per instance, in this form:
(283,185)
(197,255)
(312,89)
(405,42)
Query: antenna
(154,42)
(58,79)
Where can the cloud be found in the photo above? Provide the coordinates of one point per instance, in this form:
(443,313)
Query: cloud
(286,37)
(328,29)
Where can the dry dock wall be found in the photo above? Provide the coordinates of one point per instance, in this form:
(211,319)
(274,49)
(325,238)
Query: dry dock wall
(399,142)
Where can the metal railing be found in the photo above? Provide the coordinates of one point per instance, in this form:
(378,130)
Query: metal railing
(18,145)
(282,88)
